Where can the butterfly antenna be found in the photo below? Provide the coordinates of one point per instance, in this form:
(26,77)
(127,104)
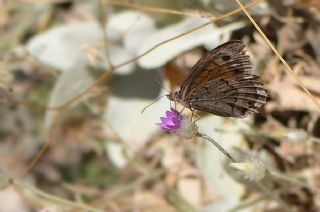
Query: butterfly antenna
(160,83)
(152,103)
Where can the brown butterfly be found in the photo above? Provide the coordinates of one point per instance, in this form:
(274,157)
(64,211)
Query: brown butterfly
(221,83)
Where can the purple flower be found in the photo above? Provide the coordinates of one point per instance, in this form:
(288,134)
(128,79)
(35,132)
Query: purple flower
(178,124)
(172,121)
(185,128)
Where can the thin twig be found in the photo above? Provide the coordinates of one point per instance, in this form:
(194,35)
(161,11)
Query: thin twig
(248,203)
(293,181)
(53,198)
(291,72)
(104,25)
(151,9)
(125,189)
(42,150)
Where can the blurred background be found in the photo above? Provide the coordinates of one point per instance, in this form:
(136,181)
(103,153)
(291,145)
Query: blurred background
(75,76)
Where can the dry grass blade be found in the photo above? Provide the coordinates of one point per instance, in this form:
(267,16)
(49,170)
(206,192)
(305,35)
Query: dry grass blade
(288,68)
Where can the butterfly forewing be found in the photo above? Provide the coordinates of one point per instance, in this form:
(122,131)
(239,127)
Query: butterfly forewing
(225,60)
(221,83)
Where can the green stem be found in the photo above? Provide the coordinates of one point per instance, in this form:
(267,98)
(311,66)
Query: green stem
(53,198)
(204,136)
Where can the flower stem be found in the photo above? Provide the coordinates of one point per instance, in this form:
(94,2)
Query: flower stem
(52,198)
(204,136)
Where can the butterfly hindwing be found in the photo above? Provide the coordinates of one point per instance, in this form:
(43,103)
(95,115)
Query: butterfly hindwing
(229,97)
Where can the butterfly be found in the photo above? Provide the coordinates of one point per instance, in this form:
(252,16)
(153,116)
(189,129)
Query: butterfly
(221,83)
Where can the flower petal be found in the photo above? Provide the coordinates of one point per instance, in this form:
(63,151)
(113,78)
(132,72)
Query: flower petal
(166,121)
(172,121)
(170,114)
(163,126)
(176,122)
(176,113)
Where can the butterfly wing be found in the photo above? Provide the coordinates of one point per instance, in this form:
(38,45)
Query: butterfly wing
(232,96)
(221,83)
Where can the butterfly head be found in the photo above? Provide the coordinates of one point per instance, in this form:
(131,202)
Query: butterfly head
(174,96)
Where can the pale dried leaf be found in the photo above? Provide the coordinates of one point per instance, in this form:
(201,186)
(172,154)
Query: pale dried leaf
(289,96)
(209,36)
(71,45)
(210,161)
(68,85)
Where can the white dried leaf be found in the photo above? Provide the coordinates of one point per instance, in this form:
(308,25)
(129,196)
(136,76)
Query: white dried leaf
(124,116)
(210,161)
(209,36)
(67,86)
(62,47)
(65,46)
(130,94)
(11,200)
(133,26)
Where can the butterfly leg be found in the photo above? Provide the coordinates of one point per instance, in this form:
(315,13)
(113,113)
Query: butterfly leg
(192,112)
(175,105)
(181,111)
(194,129)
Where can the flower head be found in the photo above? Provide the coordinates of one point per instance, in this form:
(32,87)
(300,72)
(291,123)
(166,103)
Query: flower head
(177,123)
(172,120)
(253,170)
